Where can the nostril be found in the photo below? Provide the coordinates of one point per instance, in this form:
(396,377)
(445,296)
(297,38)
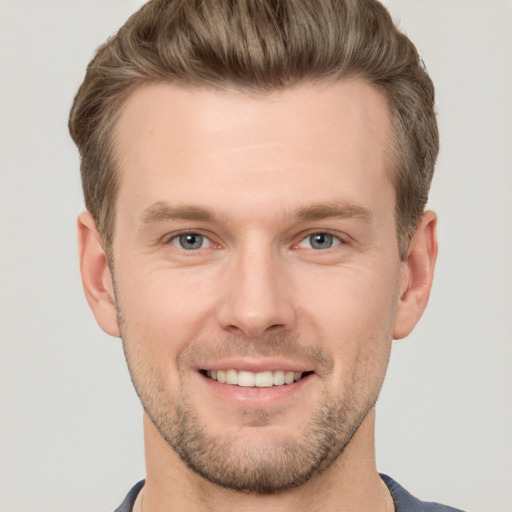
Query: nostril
(233,329)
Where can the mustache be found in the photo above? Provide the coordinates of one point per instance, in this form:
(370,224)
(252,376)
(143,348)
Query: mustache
(276,345)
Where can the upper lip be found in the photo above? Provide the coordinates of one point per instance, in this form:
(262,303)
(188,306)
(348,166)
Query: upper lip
(257,365)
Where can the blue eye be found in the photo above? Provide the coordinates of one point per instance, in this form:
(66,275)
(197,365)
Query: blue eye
(319,241)
(191,241)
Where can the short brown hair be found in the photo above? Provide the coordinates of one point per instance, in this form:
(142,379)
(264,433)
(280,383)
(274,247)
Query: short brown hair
(258,45)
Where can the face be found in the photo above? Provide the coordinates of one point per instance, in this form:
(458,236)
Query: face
(256,273)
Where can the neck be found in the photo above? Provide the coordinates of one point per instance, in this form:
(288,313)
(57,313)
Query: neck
(351,483)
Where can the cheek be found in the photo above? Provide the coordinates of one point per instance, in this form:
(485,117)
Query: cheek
(353,313)
(164,309)
(352,296)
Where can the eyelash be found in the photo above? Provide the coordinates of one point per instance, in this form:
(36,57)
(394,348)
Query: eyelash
(336,239)
(175,240)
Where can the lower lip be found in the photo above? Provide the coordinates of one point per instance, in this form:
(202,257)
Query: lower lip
(256,397)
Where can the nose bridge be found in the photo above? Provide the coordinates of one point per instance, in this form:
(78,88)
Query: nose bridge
(255,299)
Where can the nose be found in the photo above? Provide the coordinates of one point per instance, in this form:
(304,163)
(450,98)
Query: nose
(257,298)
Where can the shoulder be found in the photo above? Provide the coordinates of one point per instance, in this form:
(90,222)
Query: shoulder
(405,502)
(127,505)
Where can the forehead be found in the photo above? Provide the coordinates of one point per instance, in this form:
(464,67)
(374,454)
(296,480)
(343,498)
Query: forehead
(283,115)
(225,148)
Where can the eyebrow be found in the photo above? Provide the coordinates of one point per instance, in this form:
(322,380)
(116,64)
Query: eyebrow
(342,210)
(162,211)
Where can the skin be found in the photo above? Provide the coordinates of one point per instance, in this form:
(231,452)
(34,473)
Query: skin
(256,176)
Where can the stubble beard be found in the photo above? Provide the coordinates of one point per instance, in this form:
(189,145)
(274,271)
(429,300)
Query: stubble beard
(239,464)
(260,468)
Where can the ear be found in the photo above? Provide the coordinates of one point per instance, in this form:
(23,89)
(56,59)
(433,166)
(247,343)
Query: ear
(416,276)
(96,277)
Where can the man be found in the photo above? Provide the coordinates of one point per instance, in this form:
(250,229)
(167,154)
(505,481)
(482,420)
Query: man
(255,176)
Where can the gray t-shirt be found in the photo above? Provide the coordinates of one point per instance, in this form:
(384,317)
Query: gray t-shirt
(404,502)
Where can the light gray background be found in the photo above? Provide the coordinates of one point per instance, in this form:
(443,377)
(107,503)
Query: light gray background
(70,431)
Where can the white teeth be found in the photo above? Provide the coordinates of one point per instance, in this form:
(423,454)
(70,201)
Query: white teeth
(279,378)
(264,380)
(243,378)
(289,377)
(232,377)
(246,379)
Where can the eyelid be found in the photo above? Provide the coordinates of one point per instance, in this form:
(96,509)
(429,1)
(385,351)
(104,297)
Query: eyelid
(169,238)
(339,239)
(173,238)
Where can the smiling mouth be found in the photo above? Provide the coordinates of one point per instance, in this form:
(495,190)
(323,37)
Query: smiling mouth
(264,379)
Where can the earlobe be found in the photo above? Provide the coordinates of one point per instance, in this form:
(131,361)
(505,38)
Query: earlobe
(96,276)
(417,276)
